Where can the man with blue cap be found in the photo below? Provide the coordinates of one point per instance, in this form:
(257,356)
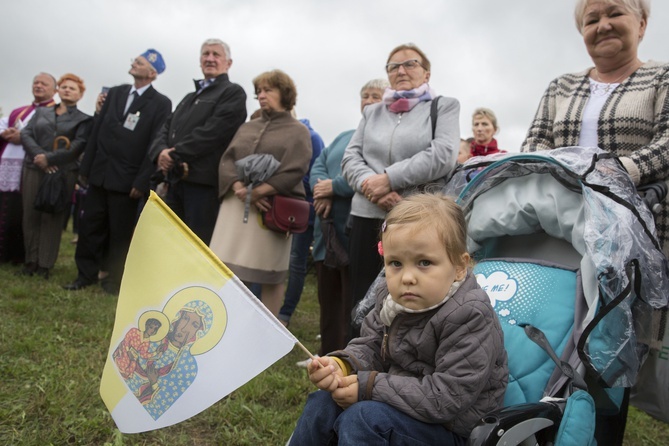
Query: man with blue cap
(117,169)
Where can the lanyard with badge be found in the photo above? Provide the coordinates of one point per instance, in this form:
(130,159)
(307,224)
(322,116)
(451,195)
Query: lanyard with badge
(131,121)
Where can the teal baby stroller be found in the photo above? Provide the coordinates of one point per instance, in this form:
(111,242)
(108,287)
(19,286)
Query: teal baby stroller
(567,252)
(566,249)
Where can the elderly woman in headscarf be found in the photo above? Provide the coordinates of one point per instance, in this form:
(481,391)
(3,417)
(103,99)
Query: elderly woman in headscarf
(254,253)
(395,150)
(619,105)
(53,140)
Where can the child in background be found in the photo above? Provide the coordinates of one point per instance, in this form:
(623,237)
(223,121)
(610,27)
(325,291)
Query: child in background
(465,150)
(430,361)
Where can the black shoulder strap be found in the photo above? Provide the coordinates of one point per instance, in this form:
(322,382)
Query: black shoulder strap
(433,114)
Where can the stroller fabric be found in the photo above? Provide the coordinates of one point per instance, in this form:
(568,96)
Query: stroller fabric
(578,423)
(583,196)
(542,295)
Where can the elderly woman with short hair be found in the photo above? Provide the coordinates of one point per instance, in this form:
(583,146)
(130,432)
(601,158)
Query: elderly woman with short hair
(332,203)
(395,151)
(620,105)
(53,140)
(254,253)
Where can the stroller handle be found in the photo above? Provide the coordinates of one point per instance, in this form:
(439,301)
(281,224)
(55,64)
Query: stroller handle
(653,195)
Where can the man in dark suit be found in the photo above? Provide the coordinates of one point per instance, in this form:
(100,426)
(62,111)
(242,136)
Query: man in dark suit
(117,169)
(194,138)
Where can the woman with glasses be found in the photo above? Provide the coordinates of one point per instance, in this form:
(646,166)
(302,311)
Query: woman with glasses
(393,152)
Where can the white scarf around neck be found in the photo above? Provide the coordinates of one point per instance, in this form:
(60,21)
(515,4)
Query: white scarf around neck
(391,308)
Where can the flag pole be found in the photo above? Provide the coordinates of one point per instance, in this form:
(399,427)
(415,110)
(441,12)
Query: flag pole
(312,357)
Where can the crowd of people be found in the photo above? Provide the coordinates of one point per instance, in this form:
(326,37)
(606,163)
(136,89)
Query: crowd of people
(408,140)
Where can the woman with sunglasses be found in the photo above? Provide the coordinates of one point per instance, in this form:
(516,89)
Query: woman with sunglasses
(393,152)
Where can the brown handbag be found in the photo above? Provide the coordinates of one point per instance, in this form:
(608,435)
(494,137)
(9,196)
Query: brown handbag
(287,215)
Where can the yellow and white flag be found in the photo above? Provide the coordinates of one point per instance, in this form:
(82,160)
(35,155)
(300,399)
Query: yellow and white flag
(187,331)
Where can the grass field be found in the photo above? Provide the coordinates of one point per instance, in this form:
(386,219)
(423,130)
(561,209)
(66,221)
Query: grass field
(53,344)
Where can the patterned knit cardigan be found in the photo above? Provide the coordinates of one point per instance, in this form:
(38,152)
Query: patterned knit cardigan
(633,125)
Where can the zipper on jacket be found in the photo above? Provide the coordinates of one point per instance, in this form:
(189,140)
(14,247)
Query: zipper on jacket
(392,136)
(384,344)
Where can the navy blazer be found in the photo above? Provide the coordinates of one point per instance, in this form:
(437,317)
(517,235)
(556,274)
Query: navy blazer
(116,158)
(201,128)
(39,135)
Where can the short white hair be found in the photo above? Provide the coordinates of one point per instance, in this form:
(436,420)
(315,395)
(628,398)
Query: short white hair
(225,46)
(380,84)
(42,73)
(640,8)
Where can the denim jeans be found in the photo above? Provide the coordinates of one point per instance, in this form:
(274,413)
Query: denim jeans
(368,423)
(299,256)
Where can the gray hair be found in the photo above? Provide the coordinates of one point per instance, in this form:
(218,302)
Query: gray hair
(381,84)
(225,46)
(42,73)
(486,113)
(640,8)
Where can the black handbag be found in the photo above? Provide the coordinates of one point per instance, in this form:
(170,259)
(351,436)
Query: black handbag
(336,255)
(52,194)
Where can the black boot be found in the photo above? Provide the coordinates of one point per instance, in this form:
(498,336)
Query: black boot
(42,272)
(28,269)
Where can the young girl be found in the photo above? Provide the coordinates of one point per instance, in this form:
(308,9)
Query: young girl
(430,361)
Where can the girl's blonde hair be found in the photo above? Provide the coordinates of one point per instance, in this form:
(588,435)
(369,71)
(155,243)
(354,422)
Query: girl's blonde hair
(437,211)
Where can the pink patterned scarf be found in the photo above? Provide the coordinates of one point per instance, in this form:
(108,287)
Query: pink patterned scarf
(400,101)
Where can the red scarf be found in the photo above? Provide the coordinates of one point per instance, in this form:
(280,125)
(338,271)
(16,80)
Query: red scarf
(488,149)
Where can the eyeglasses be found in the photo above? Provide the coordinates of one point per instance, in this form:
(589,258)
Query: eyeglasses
(408,65)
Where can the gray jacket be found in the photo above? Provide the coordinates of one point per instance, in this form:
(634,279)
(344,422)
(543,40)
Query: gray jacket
(445,366)
(401,145)
(38,136)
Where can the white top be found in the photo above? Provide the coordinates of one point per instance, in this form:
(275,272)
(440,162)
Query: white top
(12,157)
(599,94)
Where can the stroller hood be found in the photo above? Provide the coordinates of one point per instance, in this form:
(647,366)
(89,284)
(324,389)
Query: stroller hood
(584,197)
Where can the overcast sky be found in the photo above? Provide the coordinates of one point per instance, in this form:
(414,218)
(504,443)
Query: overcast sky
(499,54)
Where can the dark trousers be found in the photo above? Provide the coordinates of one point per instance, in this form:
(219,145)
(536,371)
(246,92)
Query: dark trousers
(11,232)
(197,205)
(365,261)
(41,231)
(106,227)
(335,303)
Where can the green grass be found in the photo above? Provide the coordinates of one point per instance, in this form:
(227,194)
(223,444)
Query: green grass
(52,349)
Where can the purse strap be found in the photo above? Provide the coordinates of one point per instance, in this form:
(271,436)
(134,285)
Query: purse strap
(433,114)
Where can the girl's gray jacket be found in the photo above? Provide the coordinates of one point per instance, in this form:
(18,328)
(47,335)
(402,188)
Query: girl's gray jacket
(445,366)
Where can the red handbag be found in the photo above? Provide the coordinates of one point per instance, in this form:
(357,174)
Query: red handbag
(287,215)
